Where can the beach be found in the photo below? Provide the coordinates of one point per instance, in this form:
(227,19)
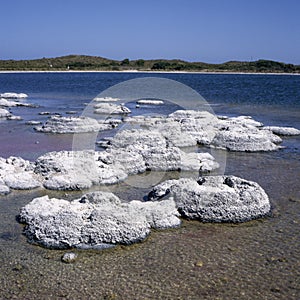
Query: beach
(149,72)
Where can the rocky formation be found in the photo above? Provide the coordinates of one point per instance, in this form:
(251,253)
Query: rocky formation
(129,161)
(44,113)
(94,221)
(150,102)
(111,109)
(13,95)
(33,122)
(58,124)
(76,170)
(185,128)
(288,131)
(101,219)
(65,170)
(241,137)
(4,113)
(71,112)
(4,189)
(157,146)
(14,118)
(106,99)
(243,134)
(158,154)
(215,198)
(10,103)
(17,173)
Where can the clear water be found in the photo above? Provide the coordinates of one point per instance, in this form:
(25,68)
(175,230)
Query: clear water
(271,99)
(255,260)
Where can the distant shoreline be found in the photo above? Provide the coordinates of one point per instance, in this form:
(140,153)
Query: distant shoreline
(150,72)
(86,63)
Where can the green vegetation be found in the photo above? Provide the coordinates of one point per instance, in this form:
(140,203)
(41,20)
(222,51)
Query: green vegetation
(96,63)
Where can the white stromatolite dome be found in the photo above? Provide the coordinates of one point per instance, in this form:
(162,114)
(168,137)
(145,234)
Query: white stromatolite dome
(96,220)
(215,198)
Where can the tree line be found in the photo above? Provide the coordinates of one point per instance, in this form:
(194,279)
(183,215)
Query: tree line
(84,62)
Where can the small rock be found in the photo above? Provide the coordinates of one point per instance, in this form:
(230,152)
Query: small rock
(106,99)
(44,113)
(294,200)
(71,112)
(14,118)
(275,290)
(32,122)
(199,264)
(69,257)
(18,267)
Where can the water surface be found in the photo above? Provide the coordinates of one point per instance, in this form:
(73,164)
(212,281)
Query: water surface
(255,260)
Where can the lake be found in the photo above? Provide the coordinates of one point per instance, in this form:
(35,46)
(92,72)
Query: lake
(257,259)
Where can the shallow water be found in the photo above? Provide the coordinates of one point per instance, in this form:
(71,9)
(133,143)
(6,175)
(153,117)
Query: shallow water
(258,259)
(255,260)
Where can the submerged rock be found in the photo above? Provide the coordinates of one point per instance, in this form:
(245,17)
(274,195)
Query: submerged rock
(240,136)
(17,173)
(25,180)
(185,128)
(33,122)
(200,125)
(202,162)
(76,170)
(71,112)
(111,109)
(97,218)
(139,139)
(150,102)
(79,170)
(13,95)
(289,131)
(4,189)
(244,120)
(106,99)
(4,113)
(14,118)
(131,162)
(7,103)
(175,134)
(215,198)
(158,153)
(58,124)
(10,103)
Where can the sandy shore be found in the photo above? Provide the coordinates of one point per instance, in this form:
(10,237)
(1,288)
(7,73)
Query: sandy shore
(150,72)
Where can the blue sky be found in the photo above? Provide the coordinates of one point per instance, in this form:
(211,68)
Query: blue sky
(195,30)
